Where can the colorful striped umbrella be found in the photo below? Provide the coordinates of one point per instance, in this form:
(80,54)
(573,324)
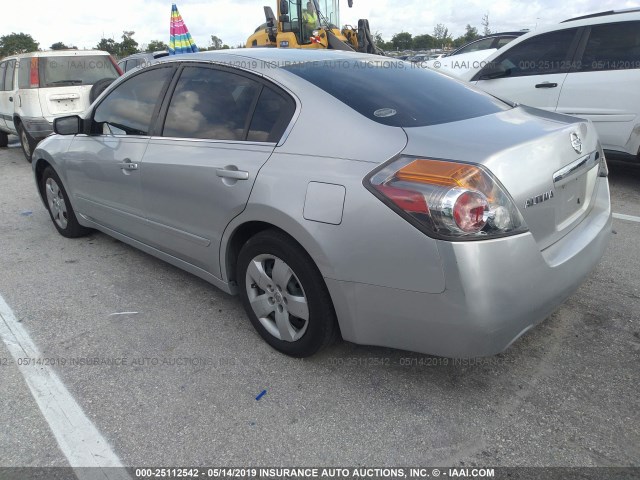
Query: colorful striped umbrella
(180,40)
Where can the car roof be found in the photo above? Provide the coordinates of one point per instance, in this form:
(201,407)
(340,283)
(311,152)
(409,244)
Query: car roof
(278,56)
(58,53)
(603,14)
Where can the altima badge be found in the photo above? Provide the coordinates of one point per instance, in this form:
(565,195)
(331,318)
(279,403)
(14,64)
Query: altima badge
(543,197)
(576,142)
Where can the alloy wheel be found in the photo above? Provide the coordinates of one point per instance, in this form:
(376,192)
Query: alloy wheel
(277,298)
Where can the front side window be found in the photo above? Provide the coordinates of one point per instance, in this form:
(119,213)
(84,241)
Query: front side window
(612,47)
(75,70)
(210,104)
(540,55)
(128,109)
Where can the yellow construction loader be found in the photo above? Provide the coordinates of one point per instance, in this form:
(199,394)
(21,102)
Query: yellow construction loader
(312,24)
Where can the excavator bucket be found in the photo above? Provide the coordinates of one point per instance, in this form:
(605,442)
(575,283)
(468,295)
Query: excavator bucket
(336,44)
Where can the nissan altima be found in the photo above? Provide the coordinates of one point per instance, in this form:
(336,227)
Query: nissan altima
(339,194)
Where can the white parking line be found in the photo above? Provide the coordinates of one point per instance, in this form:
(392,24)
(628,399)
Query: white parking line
(630,218)
(77,436)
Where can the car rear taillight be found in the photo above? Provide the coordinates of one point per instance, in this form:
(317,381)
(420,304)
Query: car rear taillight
(446,199)
(34,80)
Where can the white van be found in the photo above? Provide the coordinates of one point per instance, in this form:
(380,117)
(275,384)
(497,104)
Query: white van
(588,67)
(37,87)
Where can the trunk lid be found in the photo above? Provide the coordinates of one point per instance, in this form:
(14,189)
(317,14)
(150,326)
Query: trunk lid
(531,152)
(60,101)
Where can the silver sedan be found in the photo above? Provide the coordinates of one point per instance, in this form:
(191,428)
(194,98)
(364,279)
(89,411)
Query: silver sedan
(339,195)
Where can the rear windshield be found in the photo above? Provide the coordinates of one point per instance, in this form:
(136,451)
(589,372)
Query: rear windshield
(396,93)
(75,70)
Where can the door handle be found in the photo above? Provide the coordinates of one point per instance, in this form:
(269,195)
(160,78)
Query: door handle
(11,99)
(234,174)
(546,85)
(128,165)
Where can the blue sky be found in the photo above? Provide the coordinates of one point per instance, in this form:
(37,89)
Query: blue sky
(82,23)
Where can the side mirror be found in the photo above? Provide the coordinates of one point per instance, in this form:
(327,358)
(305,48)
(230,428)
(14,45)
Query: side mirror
(284,7)
(67,125)
(493,71)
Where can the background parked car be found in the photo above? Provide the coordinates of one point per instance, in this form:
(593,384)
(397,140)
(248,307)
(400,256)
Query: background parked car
(494,41)
(227,175)
(37,87)
(588,67)
(133,61)
(472,55)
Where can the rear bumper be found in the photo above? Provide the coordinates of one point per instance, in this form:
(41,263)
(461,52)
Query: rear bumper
(496,290)
(37,127)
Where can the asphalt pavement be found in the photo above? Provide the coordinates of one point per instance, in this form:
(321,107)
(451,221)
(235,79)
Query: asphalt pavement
(168,368)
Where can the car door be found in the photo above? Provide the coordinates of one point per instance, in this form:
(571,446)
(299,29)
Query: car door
(104,165)
(604,85)
(220,127)
(7,94)
(4,99)
(534,70)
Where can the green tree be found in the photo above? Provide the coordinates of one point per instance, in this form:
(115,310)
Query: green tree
(442,35)
(59,46)
(380,43)
(156,46)
(128,46)
(471,34)
(108,45)
(423,42)
(216,43)
(17,43)
(402,41)
(485,24)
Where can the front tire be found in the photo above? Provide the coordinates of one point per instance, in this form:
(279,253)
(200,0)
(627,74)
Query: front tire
(27,142)
(284,295)
(4,139)
(60,210)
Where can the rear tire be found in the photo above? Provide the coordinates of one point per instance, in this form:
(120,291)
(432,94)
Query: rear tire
(27,142)
(284,295)
(4,139)
(60,210)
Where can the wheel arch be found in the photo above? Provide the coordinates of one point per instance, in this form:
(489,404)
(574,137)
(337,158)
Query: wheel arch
(39,166)
(248,224)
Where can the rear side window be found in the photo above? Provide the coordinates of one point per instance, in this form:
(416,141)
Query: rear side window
(210,104)
(272,115)
(128,109)
(75,70)
(3,71)
(612,47)
(9,74)
(24,73)
(397,94)
(540,55)
(475,46)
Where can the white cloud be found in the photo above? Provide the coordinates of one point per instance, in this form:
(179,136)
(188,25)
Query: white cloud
(81,23)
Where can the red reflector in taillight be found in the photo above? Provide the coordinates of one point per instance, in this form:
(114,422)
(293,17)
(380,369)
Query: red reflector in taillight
(469,211)
(407,200)
(34,81)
